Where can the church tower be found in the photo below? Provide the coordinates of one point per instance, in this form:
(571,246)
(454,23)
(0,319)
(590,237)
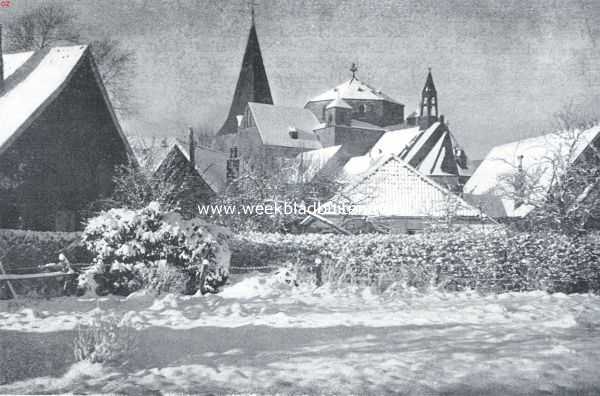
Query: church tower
(252,84)
(429,103)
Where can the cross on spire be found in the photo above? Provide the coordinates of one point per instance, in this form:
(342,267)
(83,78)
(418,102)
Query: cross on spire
(353,69)
(252,3)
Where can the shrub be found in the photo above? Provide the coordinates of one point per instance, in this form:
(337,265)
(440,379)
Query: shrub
(106,339)
(494,260)
(133,249)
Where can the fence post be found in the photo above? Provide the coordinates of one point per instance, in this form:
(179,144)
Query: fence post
(10,286)
(318,272)
(203,273)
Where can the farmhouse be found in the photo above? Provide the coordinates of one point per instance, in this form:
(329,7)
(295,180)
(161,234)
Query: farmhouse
(539,161)
(59,138)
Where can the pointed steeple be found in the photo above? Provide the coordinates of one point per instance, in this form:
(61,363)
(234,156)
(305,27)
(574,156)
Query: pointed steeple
(252,84)
(429,103)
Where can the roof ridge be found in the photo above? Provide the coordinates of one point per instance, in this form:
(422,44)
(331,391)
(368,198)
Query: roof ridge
(553,133)
(23,71)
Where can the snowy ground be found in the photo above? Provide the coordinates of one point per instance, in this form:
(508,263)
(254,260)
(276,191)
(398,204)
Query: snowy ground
(260,335)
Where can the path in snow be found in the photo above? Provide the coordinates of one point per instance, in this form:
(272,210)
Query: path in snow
(261,336)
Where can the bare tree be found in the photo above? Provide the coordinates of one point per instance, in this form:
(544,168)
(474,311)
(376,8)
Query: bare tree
(562,188)
(269,182)
(54,24)
(45,25)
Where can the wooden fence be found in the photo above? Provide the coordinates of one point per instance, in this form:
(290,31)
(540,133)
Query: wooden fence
(8,279)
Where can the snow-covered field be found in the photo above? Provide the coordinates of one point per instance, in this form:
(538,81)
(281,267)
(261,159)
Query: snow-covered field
(262,336)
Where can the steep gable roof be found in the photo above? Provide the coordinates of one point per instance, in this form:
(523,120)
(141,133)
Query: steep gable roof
(393,188)
(34,80)
(274,123)
(210,164)
(535,155)
(252,84)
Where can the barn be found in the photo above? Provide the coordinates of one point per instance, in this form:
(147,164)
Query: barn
(60,140)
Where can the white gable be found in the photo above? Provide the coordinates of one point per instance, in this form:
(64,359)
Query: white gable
(395,189)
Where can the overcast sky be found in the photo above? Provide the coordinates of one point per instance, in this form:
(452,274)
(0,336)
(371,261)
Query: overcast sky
(502,68)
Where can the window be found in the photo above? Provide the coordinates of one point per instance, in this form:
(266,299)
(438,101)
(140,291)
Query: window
(330,119)
(361,108)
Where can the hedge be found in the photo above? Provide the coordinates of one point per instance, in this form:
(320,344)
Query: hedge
(491,261)
(22,251)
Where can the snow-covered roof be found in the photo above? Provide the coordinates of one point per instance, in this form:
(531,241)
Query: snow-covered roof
(210,164)
(395,142)
(420,144)
(535,155)
(339,103)
(365,125)
(274,123)
(32,81)
(326,162)
(151,151)
(353,89)
(13,61)
(393,188)
(430,151)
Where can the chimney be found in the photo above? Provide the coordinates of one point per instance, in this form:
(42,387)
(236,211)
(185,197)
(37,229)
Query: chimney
(192,148)
(233,165)
(1,63)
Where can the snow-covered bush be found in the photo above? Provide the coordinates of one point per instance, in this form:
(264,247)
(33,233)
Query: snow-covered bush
(106,339)
(494,261)
(135,249)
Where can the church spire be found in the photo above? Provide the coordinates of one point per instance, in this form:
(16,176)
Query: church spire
(429,103)
(252,84)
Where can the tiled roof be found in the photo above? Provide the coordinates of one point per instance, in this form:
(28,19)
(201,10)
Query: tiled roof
(353,89)
(274,123)
(393,188)
(535,156)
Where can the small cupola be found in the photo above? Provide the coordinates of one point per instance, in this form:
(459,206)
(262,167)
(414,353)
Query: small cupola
(338,112)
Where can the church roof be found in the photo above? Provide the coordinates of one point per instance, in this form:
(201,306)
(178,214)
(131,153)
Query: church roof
(536,156)
(353,89)
(339,103)
(274,123)
(431,152)
(252,84)
(33,80)
(411,194)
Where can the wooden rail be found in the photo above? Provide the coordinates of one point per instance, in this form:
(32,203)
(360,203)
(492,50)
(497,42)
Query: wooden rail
(9,277)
